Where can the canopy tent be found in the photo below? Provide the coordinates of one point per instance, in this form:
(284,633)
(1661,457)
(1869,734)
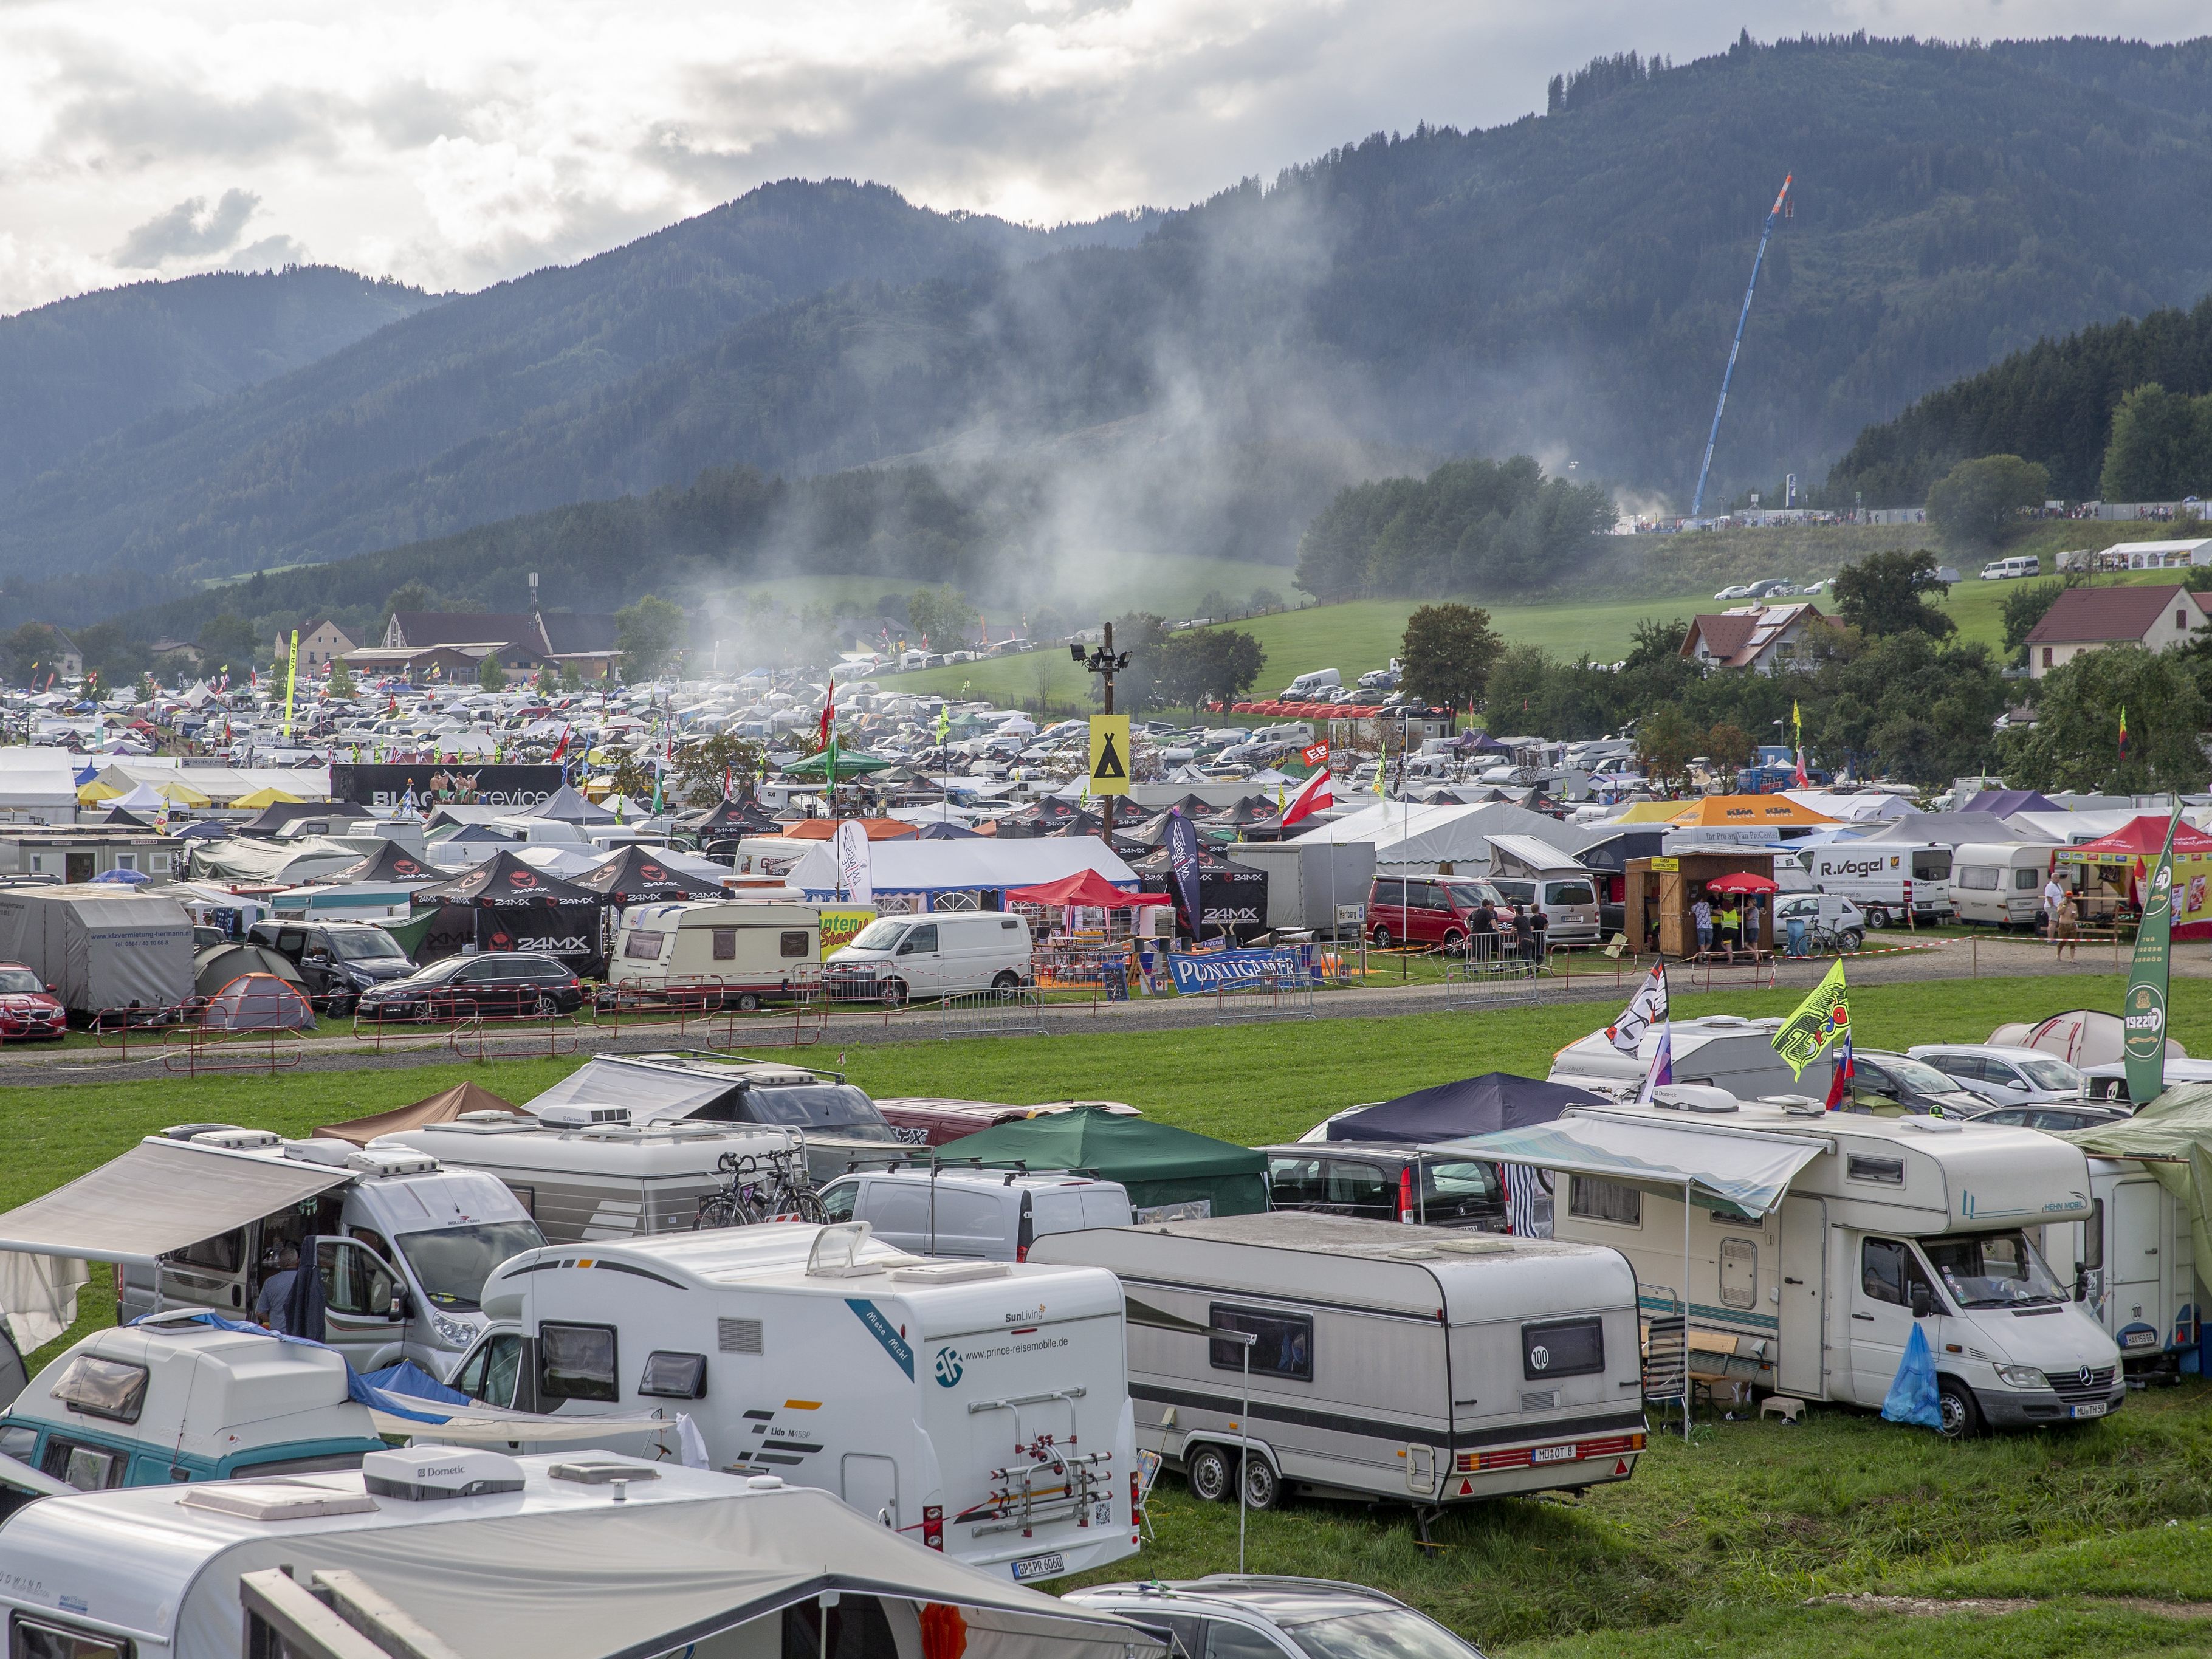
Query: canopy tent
(2128,856)
(850,764)
(37,779)
(730,817)
(504,879)
(1419,838)
(1472,1106)
(2003,803)
(945,829)
(639,874)
(390,863)
(565,805)
(444,1107)
(258,1002)
(1648,811)
(1747,811)
(218,964)
(987,864)
(1873,806)
(118,819)
(2172,1136)
(1159,1164)
(267,796)
(2140,838)
(1086,888)
(1950,829)
(248,861)
(157,1197)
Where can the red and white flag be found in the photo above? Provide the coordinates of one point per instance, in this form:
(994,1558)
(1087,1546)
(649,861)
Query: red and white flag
(1317,794)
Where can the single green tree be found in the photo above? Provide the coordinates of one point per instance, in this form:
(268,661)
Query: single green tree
(1665,741)
(228,642)
(1887,593)
(944,615)
(2074,742)
(1977,504)
(705,769)
(490,674)
(34,645)
(341,684)
(1446,654)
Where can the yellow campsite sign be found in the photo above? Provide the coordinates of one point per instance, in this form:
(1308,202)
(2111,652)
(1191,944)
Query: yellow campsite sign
(1109,754)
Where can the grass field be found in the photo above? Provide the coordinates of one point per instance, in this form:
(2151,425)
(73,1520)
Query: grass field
(1720,1547)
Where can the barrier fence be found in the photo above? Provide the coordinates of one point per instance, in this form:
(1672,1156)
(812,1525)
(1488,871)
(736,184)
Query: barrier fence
(1012,1011)
(1264,995)
(1491,982)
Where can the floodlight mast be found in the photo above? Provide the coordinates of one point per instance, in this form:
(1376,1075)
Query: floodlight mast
(1773,214)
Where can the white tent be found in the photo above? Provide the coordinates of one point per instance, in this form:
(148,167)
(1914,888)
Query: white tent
(1412,840)
(1869,808)
(985,863)
(40,780)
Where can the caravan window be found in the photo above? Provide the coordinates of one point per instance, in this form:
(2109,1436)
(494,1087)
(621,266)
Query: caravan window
(674,1377)
(576,1362)
(2027,878)
(1284,1347)
(726,944)
(1562,1347)
(1592,1200)
(793,944)
(36,1638)
(642,946)
(1976,877)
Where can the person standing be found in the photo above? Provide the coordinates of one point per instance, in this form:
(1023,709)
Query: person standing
(1701,913)
(1731,920)
(1751,928)
(1482,929)
(2066,929)
(2054,900)
(276,1292)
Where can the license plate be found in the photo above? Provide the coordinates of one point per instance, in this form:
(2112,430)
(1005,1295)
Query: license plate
(2093,1409)
(2140,1339)
(1551,1455)
(1050,1566)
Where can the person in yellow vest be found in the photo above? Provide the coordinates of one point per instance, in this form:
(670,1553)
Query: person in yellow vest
(1731,925)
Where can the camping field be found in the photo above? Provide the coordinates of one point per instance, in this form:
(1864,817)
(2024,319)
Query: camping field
(1843,1536)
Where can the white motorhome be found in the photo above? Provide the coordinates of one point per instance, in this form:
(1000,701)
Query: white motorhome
(2134,1261)
(945,953)
(2000,883)
(476,1552)
(197,1216)
(1723,1050)
(1889,881)
(992,1214)
(1415,1363)
(1814,1242)
(728,953)
(586,1173)
(979,1406)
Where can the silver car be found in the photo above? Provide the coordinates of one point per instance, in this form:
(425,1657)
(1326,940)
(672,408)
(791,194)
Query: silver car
(2004,1075)
(1231,1616)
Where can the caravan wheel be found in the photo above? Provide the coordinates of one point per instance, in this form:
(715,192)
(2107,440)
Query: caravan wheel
(748,1002)
(1207,1471)
(1263,1487)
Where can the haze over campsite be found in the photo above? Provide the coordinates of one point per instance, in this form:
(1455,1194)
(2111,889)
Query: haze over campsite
(1162,830)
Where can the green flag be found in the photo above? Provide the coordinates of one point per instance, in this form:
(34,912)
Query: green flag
(2142,1015)
(1819,1020)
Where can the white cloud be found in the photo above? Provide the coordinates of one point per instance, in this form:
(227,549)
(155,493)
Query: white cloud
(456,144)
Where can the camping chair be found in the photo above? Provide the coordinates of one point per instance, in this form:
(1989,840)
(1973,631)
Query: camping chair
(1666,1366)
(1149,1464)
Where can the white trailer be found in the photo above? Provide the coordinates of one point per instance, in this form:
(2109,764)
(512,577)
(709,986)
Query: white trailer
(2000,883)
(981,1408)
(1889,882)
(1415,1363)
(1803,1248)
(1721,1050)
(724,954)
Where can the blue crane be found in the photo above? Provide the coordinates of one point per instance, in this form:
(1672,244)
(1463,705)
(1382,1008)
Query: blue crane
(1736,345)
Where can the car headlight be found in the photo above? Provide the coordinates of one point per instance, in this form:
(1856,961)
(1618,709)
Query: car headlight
(452,1332)
(2023,1376)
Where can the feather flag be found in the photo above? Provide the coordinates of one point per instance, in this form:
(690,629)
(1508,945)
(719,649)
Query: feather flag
(1840,1087)
(2124,731)
(1662,1065)
(1647,1008)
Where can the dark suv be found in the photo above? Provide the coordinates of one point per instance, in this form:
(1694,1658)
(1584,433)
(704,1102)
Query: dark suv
(338,960)
(499,982)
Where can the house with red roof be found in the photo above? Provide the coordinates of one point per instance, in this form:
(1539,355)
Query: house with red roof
(2090,619)
(1763,637)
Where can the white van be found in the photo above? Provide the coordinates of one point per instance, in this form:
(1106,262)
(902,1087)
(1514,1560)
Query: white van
(2005,570)
(1568,903)
(2000,883)
(1888,881)
(1312,684)
(992,1214)
(730,953)
(944,953)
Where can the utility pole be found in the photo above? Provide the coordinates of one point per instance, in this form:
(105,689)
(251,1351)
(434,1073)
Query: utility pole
(1103,663)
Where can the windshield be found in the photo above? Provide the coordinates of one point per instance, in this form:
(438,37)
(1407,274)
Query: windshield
(364,945)
(1394,1633)
(838,1106)
(1993,1270)
(1918,1076)
(878,935)
(16,980)
(452,1263)
(2052,1074)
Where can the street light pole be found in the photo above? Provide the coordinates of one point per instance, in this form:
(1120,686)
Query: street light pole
(1105,663)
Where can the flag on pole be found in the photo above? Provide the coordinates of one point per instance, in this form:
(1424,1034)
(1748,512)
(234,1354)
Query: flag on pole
(1662,1065)
(828,745)
(1821,1018)
(2143,1011)
(1647,1008)
(2124,731)
(1317,793)
(1840,1087)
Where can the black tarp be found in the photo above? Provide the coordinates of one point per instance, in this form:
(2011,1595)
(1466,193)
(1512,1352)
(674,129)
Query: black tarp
(1474,1106)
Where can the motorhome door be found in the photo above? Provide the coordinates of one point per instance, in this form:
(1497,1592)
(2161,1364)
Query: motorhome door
(1804,1276)
(2132,1260)
(871,1485)
(358,1286)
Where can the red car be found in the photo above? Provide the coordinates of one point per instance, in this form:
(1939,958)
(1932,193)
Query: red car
(1430,910)
(30,1011)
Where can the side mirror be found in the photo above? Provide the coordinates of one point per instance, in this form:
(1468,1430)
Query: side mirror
(53,992)
(398,1308)
(1923,1301)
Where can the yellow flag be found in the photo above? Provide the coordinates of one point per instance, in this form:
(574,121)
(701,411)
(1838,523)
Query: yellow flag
(291,679)
(1821,1018)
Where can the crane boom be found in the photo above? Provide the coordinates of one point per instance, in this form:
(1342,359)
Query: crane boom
(1713,437)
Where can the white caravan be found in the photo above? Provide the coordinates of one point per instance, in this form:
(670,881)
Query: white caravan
(2000,883)
(1388,1361)
(1889,881)
(979,1406)
(1814,1242)
(724,953)
(475,1551)
(2134,1265)
(1721,1050)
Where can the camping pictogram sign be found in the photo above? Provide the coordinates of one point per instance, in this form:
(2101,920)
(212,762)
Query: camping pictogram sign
(1109,754)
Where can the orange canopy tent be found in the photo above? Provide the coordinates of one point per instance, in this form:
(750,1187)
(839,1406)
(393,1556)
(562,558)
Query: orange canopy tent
(1738,811)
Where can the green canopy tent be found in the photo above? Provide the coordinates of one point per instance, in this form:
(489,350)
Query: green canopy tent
(2172,1137)
(850,765)
(1159,1164)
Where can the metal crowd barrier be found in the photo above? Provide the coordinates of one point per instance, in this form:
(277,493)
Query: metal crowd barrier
(1014,1011)
(1265,996)
(1491,982)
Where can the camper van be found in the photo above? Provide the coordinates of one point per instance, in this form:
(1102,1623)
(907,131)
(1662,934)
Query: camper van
(586,1173)
(1411,1363)
(1889,881)
(979,1406)
(2134,1262)
(2011,569)
(197,1216)
(1312,685)
(729,953)
(1721,1049)
(1886,1222)
(945,953)
(994,1215)
(843,1129)
(2000,883)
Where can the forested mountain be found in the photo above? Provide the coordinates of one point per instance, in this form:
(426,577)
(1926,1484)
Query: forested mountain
(1562,286)
(79,369)
(1469,527)
(2052,404)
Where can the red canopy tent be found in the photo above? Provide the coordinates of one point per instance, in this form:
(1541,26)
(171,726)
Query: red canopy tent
(2131,851)
(2142,837)
(1086,888)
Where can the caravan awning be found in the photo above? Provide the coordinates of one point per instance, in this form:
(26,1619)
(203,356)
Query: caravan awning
(157,1197)
(1748,1171)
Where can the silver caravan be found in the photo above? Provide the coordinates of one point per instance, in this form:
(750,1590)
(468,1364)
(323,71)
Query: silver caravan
(1721,1050)
(1806,1246)
(1408,1362)
(2000,885)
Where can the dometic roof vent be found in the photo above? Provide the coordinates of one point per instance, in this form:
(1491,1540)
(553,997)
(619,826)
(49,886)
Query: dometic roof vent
(432,1475)
(274,1500)
(237,1141)
(391,1160)
(598,1474)
(951,1272)
(330,1154)
(581,1116)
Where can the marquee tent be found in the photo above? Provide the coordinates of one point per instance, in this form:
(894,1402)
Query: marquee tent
(987,864)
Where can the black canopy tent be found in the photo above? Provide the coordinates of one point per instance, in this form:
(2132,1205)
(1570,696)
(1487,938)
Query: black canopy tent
(637,875)
(505,904)
(390,862)
(1451,1111)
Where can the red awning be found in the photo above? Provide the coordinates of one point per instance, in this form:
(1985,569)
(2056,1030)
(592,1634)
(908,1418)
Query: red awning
(1087,888)
(2142,838)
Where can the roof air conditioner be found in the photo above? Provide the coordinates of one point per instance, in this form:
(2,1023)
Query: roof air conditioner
(431,1474)
(581,1116)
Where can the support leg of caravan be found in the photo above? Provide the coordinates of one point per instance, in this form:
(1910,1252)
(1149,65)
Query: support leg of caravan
(1423,1514)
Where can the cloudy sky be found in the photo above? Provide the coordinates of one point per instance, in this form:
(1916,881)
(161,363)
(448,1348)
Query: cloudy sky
(453,145)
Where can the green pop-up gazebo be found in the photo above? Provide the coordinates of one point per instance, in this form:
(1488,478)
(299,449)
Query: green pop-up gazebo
(1160,1165)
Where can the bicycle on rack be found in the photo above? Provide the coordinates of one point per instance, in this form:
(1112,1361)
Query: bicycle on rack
(762,1187)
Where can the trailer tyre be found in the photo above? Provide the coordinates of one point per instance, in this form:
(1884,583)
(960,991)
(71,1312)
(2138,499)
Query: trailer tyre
(1877,916)
(1962,1417)
(1206,1470)
(748,1002)
(1263,1487)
